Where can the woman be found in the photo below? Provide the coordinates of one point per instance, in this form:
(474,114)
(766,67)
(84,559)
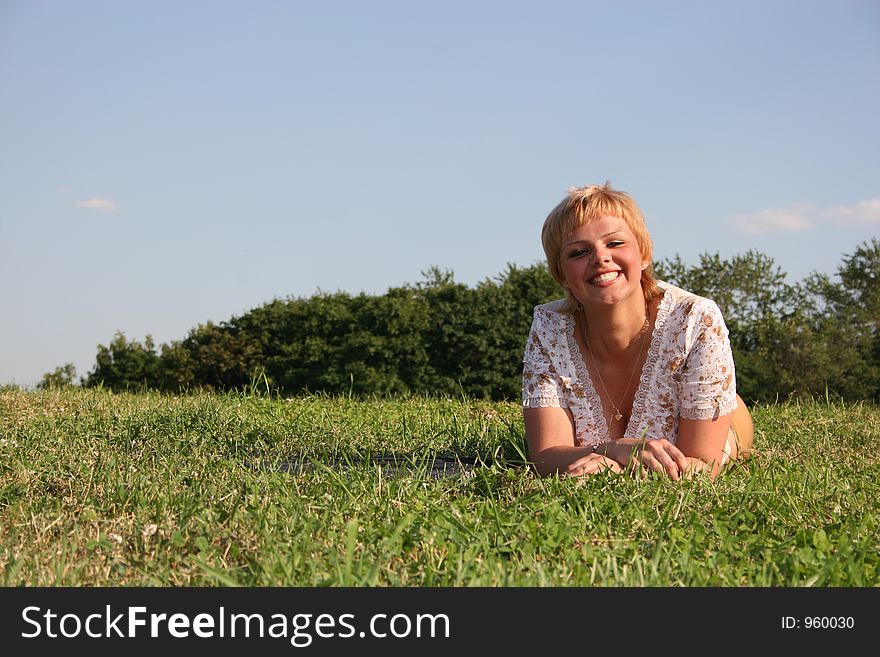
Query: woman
(626,372)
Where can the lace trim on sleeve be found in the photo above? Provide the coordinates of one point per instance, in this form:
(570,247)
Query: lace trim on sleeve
(542,402)
(721,407)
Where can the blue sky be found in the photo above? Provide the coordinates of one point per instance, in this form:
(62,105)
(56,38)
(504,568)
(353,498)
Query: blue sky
(163,164)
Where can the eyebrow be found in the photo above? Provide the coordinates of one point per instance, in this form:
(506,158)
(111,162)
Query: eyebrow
(613,232)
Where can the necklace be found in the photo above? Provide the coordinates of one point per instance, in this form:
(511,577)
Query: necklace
(618,416)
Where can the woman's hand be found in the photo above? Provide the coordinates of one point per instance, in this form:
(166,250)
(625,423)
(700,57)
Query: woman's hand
(592,464)
(645,456)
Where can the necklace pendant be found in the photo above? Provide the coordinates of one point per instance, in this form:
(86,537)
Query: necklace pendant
(618,416)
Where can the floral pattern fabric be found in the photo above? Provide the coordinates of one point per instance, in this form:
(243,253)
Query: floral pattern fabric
(688,372)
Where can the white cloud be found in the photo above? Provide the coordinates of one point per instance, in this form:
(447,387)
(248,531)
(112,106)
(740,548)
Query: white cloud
(863,212)
(793,217)
(98,203)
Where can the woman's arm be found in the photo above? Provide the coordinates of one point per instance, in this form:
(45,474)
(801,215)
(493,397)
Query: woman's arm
(549,424)
(703,441)
(550,435)
(707,390)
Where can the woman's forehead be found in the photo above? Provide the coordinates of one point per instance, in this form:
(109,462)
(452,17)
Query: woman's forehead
(603,224)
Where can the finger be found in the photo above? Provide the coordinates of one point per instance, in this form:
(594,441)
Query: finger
(642,467)
(650,458)
(603,464)
(679,457)
(666,461)
(583,467)
(670,466)
(610,464)
(665,454)
(579,463)
(588,469)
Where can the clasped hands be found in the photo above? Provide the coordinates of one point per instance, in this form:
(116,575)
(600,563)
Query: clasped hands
(638,456)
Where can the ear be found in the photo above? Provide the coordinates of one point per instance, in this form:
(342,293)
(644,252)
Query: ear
(645,264)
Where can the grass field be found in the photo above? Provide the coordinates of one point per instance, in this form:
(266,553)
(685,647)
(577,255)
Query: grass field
(101,489)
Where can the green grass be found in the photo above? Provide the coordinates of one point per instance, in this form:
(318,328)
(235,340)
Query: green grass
(101,489)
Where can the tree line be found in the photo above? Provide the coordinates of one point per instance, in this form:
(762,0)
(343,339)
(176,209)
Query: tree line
(816,337)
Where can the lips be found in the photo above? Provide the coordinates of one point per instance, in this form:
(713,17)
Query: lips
(607,277)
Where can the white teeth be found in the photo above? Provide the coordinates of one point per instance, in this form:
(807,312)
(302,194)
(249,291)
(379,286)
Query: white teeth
(604,278)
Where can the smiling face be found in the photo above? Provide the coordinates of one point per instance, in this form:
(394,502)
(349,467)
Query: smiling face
(581,209)
(602,264)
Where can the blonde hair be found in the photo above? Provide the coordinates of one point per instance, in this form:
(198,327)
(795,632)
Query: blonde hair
(583,205)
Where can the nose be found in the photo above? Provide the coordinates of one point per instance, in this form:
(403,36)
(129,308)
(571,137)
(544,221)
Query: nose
(601,254)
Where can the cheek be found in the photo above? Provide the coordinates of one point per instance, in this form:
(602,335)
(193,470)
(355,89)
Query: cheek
(569,269)
(638,258)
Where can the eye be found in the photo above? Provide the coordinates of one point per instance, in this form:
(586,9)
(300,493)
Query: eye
(577,253)
(615,243)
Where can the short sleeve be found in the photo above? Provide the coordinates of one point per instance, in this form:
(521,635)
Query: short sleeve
(707,377)
(542,384)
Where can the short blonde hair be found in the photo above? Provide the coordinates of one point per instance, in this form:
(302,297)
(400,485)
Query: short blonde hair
(583,205)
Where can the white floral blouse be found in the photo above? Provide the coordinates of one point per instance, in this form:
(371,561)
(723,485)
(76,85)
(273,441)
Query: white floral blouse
(688,372)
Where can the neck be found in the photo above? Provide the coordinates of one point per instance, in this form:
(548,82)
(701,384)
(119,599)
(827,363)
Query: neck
(612,332)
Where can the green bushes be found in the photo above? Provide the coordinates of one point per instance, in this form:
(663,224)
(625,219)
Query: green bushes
(437,336)
(817,337)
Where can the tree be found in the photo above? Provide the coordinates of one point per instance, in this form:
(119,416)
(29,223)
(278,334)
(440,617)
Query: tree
(788,340)
(61,377)
(124,364)
(848,316)
(765,317)
(221,357)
